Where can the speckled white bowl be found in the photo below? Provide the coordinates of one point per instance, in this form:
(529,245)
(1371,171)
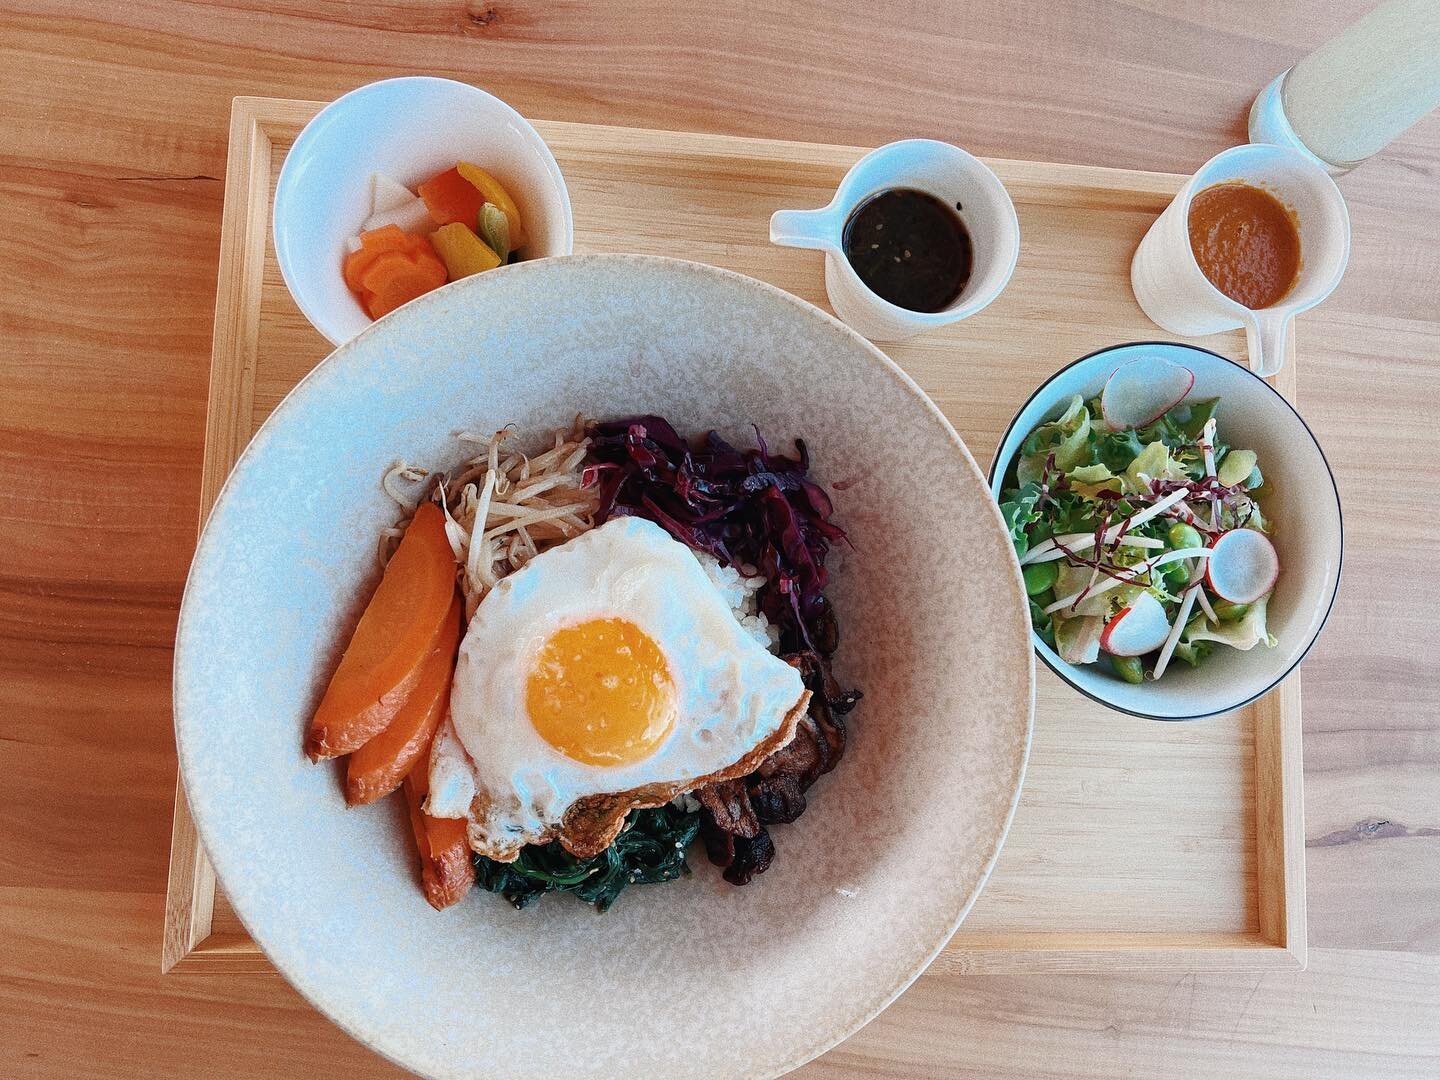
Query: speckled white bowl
(696,978)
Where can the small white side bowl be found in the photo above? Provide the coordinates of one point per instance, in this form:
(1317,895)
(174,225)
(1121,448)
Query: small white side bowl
(410,129)
(1304,508)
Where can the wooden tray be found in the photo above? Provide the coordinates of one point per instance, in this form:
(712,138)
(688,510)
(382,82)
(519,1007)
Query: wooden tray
(1136,844)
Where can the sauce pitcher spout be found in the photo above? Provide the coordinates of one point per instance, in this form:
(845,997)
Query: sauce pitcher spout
(818,229)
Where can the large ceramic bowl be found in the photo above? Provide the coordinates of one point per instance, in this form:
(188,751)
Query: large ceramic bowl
(1304,507)
(695,978)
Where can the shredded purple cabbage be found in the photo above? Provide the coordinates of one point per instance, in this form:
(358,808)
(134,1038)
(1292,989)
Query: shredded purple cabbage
(745,507)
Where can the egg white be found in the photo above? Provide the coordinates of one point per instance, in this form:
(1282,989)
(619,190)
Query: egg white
(515,787)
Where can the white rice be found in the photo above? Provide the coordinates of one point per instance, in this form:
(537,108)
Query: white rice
(740,588)
(686,802)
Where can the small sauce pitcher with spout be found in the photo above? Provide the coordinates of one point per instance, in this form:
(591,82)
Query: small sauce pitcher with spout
(954,179)
(1173,290)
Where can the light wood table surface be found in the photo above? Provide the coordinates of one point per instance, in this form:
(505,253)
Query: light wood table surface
(112,143)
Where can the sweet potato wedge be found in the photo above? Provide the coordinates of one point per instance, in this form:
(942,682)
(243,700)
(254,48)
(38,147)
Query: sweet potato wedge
(446,869)
(379,767)
(388,650)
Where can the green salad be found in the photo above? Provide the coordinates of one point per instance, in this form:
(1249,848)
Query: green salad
(1140,544)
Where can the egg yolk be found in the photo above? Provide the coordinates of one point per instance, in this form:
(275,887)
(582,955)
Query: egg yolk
(600,692)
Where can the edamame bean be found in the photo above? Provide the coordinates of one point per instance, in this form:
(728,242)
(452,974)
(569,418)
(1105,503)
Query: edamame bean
(1039,577)
(1182,535)
(1175,575)
(1128,668)
(1228,612)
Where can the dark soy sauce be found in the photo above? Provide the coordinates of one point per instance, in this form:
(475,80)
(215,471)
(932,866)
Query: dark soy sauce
(909,248)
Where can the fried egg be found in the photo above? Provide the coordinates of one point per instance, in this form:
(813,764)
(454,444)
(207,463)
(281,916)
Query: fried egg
(606,674)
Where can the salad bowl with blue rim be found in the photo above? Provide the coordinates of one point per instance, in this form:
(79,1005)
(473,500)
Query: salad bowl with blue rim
(1242,658)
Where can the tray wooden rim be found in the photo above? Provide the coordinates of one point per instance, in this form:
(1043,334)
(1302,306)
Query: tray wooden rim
(1280,942)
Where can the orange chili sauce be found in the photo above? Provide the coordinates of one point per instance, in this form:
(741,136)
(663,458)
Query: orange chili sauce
(1246,242)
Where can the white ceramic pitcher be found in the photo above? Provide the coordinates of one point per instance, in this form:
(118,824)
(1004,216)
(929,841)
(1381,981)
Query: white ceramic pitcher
(1178,297)
(948,173)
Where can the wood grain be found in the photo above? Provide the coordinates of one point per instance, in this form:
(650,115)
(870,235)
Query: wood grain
(111,168)
(101,1010)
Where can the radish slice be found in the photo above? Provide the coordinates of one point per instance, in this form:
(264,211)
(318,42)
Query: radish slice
(412,217)
(387,194)
(1138,629)
(1243,566)
(1173,638)
(1128,576)
(1142,391)
(1207,445)
(1049,550)
(1204,602)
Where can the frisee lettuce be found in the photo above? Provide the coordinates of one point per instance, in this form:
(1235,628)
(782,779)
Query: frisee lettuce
(1019,513)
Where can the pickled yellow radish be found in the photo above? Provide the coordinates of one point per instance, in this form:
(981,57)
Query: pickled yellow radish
(462,251)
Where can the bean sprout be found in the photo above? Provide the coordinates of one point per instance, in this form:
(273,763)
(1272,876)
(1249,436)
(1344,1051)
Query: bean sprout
(504,508)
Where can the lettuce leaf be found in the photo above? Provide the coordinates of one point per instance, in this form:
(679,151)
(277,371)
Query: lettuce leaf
(1235,466)
(1090,474)
(1194,652)
(1184,422)
(1088,481)
(1066,437)
(1117,449)
(1019,513)
(1078,640)
(1042,622)
(1243,635)
(1070,580)
(1154,462)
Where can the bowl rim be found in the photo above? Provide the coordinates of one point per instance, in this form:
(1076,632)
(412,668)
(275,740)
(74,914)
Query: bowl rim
(206,825)
(993,475)
(284,182)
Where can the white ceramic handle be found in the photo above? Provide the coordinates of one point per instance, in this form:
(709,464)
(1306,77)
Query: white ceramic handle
(804,229)
(1266,334)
